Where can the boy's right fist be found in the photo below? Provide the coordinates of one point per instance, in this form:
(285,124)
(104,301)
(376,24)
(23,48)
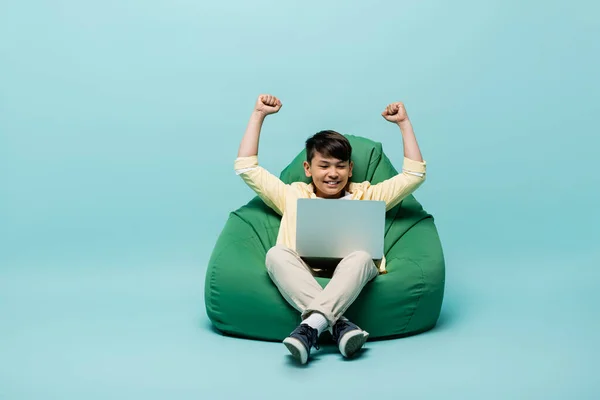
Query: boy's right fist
(267,104)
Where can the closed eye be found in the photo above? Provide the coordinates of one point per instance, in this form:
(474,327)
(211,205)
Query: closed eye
(342,166)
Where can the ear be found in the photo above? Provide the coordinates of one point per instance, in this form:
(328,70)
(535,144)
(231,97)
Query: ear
(351,165)
(307,169)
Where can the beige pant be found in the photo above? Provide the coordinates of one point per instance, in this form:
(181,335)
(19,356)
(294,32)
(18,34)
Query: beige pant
(297,284)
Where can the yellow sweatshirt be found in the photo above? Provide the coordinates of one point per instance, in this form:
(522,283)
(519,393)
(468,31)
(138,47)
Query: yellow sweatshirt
(283,197)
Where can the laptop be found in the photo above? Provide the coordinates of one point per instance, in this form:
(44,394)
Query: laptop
(334,228)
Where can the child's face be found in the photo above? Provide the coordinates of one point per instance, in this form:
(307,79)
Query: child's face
(329,175)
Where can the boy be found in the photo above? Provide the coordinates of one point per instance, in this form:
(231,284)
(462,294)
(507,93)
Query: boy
(329,165)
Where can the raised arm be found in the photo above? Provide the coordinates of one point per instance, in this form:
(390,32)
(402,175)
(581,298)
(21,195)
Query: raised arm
(396,113)
(265,105)
(395,189)
(267,186)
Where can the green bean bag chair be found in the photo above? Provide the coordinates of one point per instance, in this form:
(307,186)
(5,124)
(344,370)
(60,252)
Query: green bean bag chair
(242,301)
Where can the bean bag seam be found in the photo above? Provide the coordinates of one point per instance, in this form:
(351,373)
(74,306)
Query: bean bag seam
(377,162)
(256,235)
(405,232)
(392,223)
(421,287)
(245,222)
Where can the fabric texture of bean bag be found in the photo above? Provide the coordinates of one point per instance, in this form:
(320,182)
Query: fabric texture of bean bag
(242,301)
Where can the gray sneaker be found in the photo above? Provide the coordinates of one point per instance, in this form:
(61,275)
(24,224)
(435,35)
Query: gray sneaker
(349,337)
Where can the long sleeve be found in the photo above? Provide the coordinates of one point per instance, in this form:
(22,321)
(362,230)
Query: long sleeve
(395,189)
(266,185)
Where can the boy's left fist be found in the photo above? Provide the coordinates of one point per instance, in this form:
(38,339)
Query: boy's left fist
(395,112)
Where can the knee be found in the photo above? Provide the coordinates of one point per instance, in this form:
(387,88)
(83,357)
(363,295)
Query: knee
(276,252)
(362,256)
(359,260)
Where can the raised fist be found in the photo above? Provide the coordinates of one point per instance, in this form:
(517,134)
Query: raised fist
(395,112)
(267,104)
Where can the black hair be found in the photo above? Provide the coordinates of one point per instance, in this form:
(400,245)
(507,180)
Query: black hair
(329,144)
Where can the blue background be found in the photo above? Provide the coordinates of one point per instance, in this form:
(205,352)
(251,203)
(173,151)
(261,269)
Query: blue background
(119,124)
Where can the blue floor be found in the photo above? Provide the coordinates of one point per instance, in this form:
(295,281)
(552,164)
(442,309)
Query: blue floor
(529,331)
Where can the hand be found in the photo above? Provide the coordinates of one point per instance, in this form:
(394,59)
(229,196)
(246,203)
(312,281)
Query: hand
(395,112)
(267,104)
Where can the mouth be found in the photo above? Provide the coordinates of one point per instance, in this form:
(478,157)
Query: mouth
(331,184)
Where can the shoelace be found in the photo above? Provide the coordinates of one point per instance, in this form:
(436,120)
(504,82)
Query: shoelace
(338,328)
(311,333)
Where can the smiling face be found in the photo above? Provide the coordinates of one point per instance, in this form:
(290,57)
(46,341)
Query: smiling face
(330,175)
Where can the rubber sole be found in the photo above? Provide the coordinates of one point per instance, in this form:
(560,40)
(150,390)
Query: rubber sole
(352,342)
(297,349)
